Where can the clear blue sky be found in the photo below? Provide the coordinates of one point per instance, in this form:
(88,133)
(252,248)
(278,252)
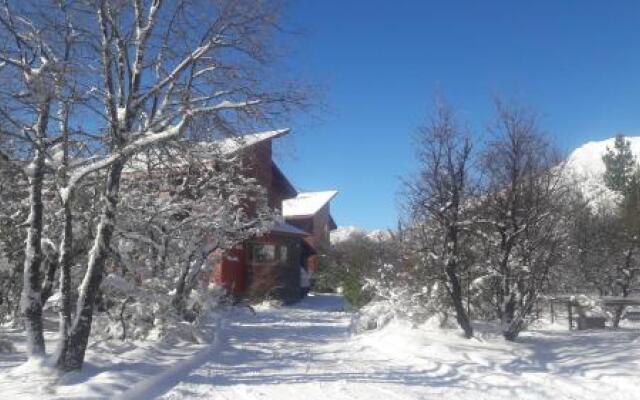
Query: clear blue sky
(576,62)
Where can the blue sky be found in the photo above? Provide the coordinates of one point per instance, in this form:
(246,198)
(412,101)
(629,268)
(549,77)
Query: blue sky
(380,62)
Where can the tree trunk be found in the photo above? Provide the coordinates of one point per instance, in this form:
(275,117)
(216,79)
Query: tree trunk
(510,328)
(31,303)
(123,323)
(617,315)
(512,332)
(78,337)
(51,263)
(513,329)
(66,247)
(456,297)
(453,287)
(161,262)
(185,284)
(178,300)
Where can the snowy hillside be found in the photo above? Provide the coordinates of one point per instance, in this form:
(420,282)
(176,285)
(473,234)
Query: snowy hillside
(585,165)
(346,232)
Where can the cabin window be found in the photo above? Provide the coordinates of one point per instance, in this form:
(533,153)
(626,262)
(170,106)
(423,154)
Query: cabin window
(284,251)
(263,253)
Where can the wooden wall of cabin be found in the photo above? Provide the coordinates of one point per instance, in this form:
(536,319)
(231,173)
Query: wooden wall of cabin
(321,228)
(281,188)
(257,164)
(230,271)
(280,279)
(258,161)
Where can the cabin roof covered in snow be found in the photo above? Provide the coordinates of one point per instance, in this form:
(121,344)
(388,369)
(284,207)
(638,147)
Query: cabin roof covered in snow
(283,227)
(204,150)
(306,204)
(233,144)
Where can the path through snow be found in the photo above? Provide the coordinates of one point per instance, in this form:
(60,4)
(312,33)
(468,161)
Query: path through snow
(305,351)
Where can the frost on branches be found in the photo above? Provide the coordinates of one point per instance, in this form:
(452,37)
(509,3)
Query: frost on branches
(439,199)
(89,87)
(176,220)
(483,235)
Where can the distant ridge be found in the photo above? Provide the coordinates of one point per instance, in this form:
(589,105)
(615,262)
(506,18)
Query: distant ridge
(346,232)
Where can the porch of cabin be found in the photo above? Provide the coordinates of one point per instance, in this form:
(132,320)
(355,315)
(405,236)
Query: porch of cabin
(266,267)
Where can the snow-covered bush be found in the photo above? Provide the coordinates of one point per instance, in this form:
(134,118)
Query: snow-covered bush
(397,295)
(168,325)
(178,218)
(6,346)
(143,311)
(415,308)
(588,306)
(355,262)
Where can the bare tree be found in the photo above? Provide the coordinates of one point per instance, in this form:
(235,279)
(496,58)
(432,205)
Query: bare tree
(141,73)
(440,197)
(33,61)
(164,66)
(521,213)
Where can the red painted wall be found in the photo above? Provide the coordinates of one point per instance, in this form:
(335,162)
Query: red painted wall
(231,272)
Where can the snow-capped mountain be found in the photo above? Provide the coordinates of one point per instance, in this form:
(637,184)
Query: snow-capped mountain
(346,232)
(585,165)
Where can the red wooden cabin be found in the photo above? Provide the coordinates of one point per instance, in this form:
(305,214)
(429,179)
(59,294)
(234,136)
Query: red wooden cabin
(270,265)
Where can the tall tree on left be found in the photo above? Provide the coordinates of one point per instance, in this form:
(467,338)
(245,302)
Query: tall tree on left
(140,74)
(33,67)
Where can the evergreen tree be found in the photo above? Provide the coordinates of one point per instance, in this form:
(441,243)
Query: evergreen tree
(622,175)
(630,207)
(620,164)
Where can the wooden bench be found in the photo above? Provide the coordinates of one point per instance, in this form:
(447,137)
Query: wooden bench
(591,322)
(632,315)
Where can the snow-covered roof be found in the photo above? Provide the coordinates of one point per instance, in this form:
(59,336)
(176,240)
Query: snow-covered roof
(203,150)
(233,144)
(283,227)
(306,204)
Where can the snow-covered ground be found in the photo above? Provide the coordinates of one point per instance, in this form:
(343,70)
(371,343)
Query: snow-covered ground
(111,367)
(307,351)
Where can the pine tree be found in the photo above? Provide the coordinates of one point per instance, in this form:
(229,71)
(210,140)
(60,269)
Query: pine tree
(630,207)
(619,163)
(622,175)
